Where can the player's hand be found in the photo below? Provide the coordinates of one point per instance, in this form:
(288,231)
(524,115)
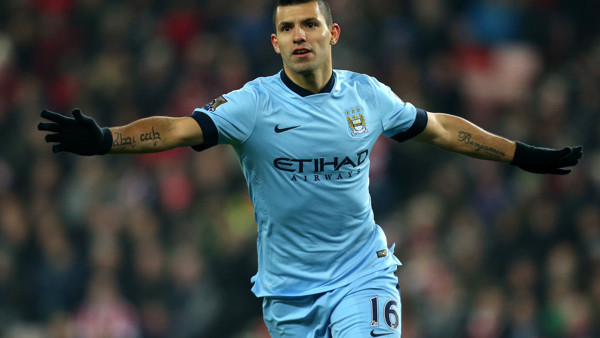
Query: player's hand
(79,134)
(546,161)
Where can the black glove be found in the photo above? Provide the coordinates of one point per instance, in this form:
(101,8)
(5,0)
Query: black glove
(544,160)
(80,135)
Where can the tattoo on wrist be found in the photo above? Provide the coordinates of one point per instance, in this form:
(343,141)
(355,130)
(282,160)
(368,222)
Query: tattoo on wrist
(119,140)
(151,136)
(465,137)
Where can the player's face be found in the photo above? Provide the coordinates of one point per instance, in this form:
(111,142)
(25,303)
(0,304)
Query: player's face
(303,39)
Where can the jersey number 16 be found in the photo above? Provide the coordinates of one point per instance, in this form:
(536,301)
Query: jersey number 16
(390,315)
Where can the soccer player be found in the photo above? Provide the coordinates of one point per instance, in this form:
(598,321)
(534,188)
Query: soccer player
(303,138)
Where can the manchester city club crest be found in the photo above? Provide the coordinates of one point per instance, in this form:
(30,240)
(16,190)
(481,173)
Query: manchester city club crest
(357,126)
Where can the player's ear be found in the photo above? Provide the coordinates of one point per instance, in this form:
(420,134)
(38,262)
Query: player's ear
(275,43)
(335,31)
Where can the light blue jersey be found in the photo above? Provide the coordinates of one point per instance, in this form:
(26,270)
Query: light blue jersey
(306,162)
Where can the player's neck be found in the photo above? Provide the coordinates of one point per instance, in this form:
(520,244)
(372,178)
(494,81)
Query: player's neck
(313,82)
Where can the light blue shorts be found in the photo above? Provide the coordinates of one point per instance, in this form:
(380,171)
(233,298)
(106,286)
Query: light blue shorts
(367,307)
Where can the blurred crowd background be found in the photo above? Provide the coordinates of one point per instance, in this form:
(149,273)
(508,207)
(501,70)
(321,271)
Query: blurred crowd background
(163,245)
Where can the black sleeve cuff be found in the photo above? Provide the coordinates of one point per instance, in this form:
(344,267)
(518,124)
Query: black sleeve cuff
(418,126)
(105,142)
(209,131)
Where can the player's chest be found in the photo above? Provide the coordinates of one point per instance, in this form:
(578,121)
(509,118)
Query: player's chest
(316,127)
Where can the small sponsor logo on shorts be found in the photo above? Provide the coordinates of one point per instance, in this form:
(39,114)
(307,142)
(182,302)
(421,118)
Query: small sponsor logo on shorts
(382,253)
(373,334)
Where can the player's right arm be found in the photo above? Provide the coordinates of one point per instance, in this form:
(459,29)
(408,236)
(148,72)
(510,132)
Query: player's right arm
(82,135)
(154,134)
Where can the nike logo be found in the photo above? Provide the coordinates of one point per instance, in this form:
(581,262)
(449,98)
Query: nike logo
(373,334)
(278,130)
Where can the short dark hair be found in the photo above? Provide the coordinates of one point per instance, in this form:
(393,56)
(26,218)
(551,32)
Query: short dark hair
(323,6)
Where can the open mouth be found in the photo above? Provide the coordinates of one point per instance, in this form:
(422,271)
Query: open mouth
(301,52)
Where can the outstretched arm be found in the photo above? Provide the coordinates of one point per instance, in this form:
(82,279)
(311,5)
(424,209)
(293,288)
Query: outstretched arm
(154,134)
(81,135)
(456,134)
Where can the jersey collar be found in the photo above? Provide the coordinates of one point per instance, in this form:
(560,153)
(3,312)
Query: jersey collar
(305,92)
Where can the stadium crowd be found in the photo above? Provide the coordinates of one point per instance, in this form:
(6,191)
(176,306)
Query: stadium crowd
(163,245)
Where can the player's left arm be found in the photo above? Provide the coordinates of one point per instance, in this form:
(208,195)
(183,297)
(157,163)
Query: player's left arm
(456,134)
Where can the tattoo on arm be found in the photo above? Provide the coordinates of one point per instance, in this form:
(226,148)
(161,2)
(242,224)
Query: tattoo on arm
(130,141)
(151,136)
(465,137)
(119,140)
